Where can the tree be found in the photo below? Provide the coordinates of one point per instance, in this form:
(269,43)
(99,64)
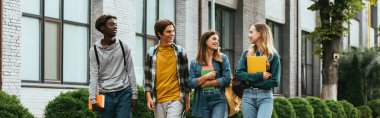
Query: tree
(332,16)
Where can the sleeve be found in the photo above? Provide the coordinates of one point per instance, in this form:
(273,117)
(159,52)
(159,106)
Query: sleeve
(147,73)
(94,76)
(225,79)
(242,73)
(193,81)
(131,71)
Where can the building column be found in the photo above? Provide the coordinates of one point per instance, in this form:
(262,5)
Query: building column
(291,61)
(248,12)
(187,22)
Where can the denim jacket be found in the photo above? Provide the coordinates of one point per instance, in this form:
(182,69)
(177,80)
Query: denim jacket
(223,79)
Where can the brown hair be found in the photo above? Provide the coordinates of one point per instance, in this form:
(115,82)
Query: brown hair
(102,20)
(160,26)
(202,47)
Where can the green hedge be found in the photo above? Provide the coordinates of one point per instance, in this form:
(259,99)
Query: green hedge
(69,105)
(375,107)
(336,109)
(284,108)
(350,110)
(274,114)
(142,111)
(365,112)
(302,108)
(10,107)
(320,108)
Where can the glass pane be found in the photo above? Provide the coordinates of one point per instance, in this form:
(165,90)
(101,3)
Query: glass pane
(75,53)
(31,6)
(30,49)
(139,15)
(230,56)
(309,75)
(303,79)
(51,51)
(354,33)
(166,9)
(227,30)
(138,60)
(76,10)
(277,37)
(372,37)
(52,8)
(151,16)
(309,53)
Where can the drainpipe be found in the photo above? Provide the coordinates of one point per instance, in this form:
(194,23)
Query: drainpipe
(213,15)
(1,44)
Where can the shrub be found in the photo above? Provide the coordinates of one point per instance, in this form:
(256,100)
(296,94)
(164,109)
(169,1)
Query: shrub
(69,105)
(350,110)
(284,108)
(336,109)
(302,108)
(10,107)
(320,108)
(365,112)
(375,107)
(142,111)
(274,114)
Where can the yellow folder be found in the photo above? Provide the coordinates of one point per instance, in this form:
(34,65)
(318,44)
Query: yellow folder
(256,64)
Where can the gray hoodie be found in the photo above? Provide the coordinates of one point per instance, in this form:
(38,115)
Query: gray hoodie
(111,75)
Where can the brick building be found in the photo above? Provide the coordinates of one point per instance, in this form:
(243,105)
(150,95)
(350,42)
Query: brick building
(44,43)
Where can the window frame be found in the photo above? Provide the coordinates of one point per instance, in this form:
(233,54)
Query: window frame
(271,24)
(222,9)
(144,35)
(42,19)
(305,64)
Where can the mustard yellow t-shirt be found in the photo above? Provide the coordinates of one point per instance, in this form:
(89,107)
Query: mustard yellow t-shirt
(166,75)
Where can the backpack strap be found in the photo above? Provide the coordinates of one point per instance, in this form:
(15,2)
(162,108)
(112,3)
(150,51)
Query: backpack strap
(122,49)
(96,54)
(151,50)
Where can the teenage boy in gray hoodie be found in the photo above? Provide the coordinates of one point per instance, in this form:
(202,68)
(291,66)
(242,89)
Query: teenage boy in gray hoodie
(111,72)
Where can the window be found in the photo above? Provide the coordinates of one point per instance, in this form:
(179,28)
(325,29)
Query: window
(50,52)
(307,65)
(147,13)
(354,33)
(277,40)
(224,25)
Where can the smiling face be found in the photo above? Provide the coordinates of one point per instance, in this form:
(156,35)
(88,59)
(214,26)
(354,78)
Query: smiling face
(253,35)
(168,34)
(213,42)
(110,28)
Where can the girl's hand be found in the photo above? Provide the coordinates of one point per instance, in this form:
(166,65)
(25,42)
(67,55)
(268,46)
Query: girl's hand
(266,75)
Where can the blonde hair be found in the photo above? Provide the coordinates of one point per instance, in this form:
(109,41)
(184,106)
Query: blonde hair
(202,48)
(265,42)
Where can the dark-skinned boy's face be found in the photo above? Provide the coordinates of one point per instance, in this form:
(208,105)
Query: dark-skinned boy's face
(110,28)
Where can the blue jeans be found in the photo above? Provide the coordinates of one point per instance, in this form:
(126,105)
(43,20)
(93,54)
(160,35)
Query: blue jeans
(257,103)
(214,104)
(117,104)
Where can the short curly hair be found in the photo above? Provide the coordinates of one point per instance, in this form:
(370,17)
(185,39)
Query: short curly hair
(102,20)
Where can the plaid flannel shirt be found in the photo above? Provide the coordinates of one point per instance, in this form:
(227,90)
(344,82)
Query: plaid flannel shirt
(150,71)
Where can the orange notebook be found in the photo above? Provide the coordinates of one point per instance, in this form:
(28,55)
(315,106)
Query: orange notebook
(256,64)
(99,99)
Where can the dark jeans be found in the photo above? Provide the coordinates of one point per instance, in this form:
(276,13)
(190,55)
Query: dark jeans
(117,104)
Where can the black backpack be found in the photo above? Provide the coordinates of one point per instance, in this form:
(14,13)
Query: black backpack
(237,87)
